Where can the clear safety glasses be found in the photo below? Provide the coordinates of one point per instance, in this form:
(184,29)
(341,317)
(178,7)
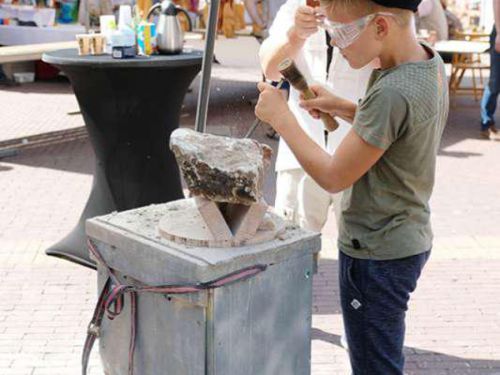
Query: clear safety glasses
(345,34)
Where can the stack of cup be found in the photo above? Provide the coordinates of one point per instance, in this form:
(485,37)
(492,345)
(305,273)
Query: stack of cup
(83,44)
(90,44)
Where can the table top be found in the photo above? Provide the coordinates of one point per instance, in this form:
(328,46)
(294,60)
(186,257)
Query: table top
(70,57)
(461,46)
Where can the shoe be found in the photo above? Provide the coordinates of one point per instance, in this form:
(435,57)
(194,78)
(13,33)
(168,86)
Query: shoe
(485,134)
(494,133)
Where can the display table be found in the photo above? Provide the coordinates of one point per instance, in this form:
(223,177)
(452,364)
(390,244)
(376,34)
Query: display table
(130,107)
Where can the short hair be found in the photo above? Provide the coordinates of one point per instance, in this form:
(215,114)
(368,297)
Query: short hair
(365,7)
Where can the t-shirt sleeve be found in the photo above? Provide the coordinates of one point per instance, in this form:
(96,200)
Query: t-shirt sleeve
(381,116)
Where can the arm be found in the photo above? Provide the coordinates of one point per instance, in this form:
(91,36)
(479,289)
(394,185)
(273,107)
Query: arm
(275,49)
(327,102)
(353,158)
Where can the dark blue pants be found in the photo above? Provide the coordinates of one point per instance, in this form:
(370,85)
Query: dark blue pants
(374,298)
(492,89)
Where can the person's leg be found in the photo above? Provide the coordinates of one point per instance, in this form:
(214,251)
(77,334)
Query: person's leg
(491,91)
(4,80)
(313,204)
(374,299)
(285,203)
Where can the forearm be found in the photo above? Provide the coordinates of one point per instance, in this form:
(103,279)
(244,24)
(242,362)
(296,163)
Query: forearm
(272,55)
(315,161)
(347,111)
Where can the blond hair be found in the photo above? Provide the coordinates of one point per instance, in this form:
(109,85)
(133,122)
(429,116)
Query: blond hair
(365,7)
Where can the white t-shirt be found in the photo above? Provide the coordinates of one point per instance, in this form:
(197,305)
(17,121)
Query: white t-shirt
(343,81)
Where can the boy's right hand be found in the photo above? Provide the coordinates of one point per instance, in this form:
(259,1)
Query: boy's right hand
(306,22)
(325,102)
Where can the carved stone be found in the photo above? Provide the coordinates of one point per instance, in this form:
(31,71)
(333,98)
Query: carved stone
(219,168)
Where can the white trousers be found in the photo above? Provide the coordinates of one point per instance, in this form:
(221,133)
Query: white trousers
(301,200)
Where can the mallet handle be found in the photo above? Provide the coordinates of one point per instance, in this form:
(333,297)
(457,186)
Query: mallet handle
(328,120)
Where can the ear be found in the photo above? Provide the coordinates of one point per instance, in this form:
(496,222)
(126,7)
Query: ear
(381,27)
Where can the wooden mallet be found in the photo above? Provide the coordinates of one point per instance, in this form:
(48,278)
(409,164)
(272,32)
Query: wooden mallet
(292,74)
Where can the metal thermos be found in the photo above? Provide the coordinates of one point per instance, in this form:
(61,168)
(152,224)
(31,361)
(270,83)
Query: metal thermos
(170,37)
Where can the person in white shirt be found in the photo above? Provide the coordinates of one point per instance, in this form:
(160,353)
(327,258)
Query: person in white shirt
(295,34)
(431,17)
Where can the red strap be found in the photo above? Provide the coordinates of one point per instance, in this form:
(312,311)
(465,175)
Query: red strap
(94,326)
(111,301)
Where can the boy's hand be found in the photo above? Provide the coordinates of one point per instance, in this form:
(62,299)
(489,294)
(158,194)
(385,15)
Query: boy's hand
(306,22)
(325,102)
(271,105)
(497,44)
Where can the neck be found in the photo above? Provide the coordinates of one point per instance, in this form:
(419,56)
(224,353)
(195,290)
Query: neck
(402,48)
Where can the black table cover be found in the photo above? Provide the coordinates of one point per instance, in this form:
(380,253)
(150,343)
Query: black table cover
(130,107)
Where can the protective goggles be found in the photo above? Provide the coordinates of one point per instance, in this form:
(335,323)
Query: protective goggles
(345,34)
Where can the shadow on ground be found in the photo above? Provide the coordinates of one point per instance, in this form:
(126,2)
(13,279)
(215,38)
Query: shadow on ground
(58,85)
(435,363)
(327,302)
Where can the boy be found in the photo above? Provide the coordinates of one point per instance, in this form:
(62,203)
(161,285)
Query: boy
(387,164)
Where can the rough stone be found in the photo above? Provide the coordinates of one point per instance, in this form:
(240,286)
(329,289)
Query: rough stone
(219,168)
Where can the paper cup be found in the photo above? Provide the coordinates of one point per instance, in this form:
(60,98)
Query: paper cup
(97,44)
(83,44)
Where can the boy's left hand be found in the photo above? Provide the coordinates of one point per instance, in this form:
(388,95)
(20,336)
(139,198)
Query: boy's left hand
(271,105)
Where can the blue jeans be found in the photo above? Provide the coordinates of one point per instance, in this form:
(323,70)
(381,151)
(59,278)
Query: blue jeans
(374,297)
(492,89)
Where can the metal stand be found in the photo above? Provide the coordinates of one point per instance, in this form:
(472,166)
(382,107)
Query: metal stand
(206,70)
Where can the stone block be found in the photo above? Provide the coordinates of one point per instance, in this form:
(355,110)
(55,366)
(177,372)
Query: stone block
(219,168)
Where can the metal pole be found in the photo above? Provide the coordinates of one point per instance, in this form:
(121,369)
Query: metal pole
(206,71)
(87,16)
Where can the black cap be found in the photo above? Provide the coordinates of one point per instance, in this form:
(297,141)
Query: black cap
(403,4)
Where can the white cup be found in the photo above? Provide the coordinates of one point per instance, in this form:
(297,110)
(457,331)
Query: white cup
(125,16)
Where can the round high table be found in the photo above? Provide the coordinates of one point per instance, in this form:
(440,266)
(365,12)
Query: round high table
(130,107)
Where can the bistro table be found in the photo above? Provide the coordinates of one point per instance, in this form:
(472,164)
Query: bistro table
(130,107)
(466,56)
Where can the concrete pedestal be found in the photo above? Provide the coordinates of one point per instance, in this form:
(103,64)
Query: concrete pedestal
(261,325)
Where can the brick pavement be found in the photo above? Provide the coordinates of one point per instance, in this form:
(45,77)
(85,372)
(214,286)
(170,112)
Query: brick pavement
(454,316)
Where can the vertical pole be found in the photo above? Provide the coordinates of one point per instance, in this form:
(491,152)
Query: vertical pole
(206,71)
(87,16)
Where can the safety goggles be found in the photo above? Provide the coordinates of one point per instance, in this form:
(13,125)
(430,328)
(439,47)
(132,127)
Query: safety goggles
(345,34)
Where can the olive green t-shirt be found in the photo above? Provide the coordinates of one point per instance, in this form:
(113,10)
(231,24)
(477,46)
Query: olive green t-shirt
(385,214)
